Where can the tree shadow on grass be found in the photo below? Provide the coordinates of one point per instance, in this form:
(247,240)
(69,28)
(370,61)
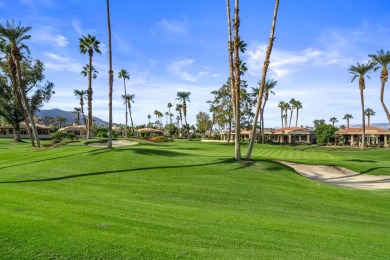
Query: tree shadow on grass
(114,171)
(361,160)
(154,152)
(54,158)
(375,168)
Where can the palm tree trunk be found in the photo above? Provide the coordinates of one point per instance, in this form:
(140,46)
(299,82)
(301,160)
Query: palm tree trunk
(230,56)
(110,77)
(368,120)
(89,94)
(363,119)
(185,118)
(347,122)
(291,115)
(237,82)
(285,119)
(26,105)
(384,76)
(263,78)
(296,121)
(281,115)
(262,121)
(131,117)
(127,122)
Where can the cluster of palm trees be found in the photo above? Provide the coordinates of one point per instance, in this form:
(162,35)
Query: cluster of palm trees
(289,107)
(381,60)
(12,38)
(181,110)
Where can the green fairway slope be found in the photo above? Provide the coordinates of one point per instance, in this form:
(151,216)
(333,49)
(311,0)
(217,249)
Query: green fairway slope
(185,200)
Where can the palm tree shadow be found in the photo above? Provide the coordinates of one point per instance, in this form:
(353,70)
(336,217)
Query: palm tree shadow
(375,168)
(115,171)
(96,151)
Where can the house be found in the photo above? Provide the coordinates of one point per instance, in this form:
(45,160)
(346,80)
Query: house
(245,134)
(9,132)
(374,135)
(77,130)
(149,132)
(291,135)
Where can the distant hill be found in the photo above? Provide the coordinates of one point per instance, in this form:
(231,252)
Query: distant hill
(380,125)
(70,117)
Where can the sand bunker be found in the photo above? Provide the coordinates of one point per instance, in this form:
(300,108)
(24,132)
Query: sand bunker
(339,176)
(115,143)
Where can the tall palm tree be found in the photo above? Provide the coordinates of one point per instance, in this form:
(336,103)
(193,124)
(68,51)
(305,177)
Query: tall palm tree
(184,96)
(298,105)
(382,60)
(359,71)
(129,101)
(14,35)
(292,107)
(333,120)
(166,117)
(125,99)
(347,117)
(281,106)
(76,112)
(369,112)
(123,74)
(89,44)
(81,95)
(149,117)
(263,77)
(169,109)
(269,85)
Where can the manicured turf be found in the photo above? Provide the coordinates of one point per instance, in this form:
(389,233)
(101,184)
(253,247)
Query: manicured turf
(186,200)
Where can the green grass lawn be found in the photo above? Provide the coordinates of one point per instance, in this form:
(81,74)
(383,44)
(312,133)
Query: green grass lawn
(187,200)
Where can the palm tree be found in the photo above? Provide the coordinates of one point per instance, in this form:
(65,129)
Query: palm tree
(269,85)
(369,112)
(298,105)
(287,107)
(149,117)
(14,35)
(123,74)
(281,106)
(383,60)
(76,112)
(263,77)
(333,120)
(359,71)
(179,108)
(156,114)
(125,99)
(89,45)
(347,117)
(81,95)
(129,99)
(60,121)
(184,96)
(169,109)
(85,71)
(166,117)
(110,77)
(292,107)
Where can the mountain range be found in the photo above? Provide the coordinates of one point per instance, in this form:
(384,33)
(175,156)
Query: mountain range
(70,117)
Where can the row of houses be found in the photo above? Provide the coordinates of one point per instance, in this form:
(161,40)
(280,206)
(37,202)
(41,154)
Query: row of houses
(292,135)
(295,135)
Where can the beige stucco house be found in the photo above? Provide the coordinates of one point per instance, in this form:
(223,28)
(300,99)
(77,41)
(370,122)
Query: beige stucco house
(9,132)
(77,130)
(150,132)
(374,135)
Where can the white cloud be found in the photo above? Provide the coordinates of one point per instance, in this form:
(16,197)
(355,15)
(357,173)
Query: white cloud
(56,62)
(182,67)
(174,26)
(48,35)
(76,27)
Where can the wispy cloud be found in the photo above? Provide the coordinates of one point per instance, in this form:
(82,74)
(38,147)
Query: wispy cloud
(174,25)
(77,27)
(183,69)
(56,62)
(49,34)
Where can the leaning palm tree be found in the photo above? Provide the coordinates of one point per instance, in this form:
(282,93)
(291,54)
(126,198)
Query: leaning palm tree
(347,117)
(333,120)
(281,106)
(89,44)
(263,77)
(129,101)
(81,95)
(125,99)
(123,74)
(298,105)
(369,112)
(14,35)
(382,60)
(184,96)
(359,71)
(269,85)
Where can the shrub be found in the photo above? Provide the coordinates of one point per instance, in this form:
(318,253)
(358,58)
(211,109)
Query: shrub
(160,139)
(143,134)
(58,136)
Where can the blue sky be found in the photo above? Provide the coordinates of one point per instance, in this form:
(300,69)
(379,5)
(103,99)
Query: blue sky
(175,45)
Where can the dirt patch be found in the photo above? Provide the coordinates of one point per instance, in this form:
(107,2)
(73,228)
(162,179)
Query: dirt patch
(115,143)
(340,176)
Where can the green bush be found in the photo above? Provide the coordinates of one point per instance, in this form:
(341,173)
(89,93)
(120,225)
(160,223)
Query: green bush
(160,139)
(143,134)
(58,136)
